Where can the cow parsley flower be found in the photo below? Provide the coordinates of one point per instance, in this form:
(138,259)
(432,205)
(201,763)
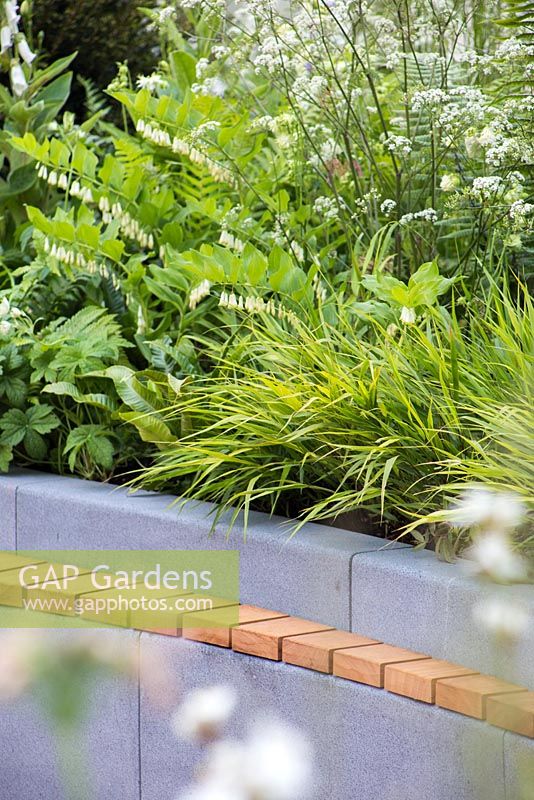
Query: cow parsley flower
(326,207)
(278,763)
(273,763)
(388,206)
(426,215)
(398,144)
(487,185)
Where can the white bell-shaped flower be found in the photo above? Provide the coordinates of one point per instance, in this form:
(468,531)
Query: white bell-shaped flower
(19,84)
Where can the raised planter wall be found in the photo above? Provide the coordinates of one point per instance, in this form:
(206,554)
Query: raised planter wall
(370,743)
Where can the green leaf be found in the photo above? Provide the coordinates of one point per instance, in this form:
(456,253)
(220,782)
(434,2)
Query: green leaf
(14,426)
(6,456)
(150,428)
(35,445)
(42,419)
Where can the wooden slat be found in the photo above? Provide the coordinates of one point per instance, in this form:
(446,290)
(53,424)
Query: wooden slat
(11,560)
(170,622)
(197,625)
(13,592)
(367,664)
(417,679)
(514,712)
(264,639)
(468,695)
(315,650)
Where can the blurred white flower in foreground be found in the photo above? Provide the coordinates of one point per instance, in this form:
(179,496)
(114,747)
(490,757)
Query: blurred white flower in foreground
(274,763)
(203,713)
(493,556)
(17,653)
(278,763)
(504,619)
(489,509)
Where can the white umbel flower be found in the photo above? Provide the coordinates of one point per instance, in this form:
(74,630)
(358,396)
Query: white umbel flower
(449,182)
(203,713)
(408,315)
(486,508)
(19,84)
(5,327)
(504,619)
(493,556)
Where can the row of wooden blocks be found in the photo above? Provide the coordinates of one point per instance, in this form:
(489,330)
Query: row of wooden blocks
(277,636)
(280,637)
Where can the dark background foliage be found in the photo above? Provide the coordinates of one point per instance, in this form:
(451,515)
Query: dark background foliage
(103,32)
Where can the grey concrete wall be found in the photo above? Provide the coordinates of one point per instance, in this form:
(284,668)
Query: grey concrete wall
(108,741)
(367,742)
(370,743)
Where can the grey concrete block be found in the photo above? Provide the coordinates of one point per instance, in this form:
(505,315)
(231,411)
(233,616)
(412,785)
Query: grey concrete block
(368,743)
(411,599)
(8,514)
(9,484)
(519,767)
(308,575)
(401,597)
(109,739)
(474,646)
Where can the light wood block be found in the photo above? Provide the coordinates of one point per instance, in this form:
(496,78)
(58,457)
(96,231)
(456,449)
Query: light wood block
(44,588)
(316,650)
(367,664)
(514,712)
(171,622)
(196,626)
(12,560)
(417,679)
(264,639)
(468,695)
